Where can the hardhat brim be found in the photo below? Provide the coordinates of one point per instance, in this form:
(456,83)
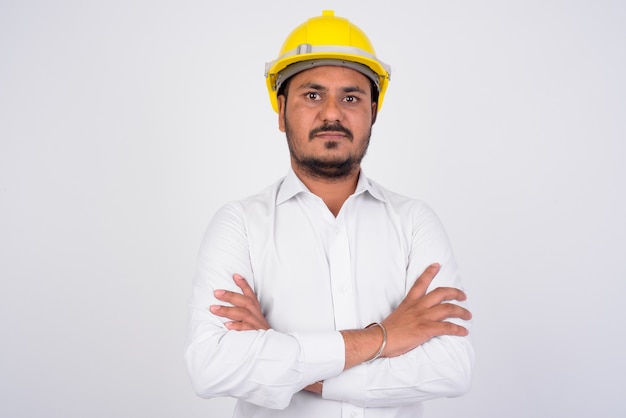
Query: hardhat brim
(293,62)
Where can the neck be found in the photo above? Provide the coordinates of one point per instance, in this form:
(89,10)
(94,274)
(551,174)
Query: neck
(334,192)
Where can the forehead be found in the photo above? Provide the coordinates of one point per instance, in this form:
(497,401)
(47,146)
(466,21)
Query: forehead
(330,76)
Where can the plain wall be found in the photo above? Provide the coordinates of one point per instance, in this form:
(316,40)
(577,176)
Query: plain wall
(124,125)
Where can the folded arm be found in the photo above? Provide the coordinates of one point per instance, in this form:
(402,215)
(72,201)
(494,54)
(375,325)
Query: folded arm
(419,318)
(261,366)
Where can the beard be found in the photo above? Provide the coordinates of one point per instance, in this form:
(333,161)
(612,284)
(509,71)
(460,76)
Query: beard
(327,168)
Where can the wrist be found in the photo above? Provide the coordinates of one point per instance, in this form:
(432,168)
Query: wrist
(362,345)
(384,342)
(316,387)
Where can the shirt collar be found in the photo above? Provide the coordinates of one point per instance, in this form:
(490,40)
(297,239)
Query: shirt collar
(292,185)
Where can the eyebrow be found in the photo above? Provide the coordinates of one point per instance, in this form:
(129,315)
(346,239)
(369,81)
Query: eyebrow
(354,89)
(311,85)
(319,87)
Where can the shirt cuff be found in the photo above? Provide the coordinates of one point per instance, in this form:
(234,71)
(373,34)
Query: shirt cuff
(323,355)
(348,387)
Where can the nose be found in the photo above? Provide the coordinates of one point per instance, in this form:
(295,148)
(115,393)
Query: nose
(331,110)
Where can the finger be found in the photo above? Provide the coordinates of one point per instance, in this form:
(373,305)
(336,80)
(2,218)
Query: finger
(240,326)
(234,313)
(448,328)
(447,311)
(234,298)
(224,311)
(239,314)
(243,285)
(443,294)
(223,295)
(423,281)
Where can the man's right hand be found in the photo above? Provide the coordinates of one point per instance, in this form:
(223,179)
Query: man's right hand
(246,312)
(419,317)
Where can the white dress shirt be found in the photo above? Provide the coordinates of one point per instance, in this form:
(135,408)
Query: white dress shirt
(315,274)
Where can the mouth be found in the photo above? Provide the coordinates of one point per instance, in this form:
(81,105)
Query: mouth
(331,132)
(331,135)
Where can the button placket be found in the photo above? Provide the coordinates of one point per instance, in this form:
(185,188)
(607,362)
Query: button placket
(341,277)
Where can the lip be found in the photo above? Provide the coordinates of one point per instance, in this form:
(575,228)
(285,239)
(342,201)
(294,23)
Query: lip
(331,135)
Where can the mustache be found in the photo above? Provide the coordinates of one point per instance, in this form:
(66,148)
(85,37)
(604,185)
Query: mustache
(330,127)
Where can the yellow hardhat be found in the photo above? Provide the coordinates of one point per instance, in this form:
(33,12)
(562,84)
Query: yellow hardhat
(326,40)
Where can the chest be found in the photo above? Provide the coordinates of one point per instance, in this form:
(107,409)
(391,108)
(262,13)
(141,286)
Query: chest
(315,273)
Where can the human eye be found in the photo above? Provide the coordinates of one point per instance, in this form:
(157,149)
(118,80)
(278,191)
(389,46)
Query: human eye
(353,95)
(312,95)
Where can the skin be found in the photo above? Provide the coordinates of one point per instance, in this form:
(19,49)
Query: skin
(328,118)
(328,163)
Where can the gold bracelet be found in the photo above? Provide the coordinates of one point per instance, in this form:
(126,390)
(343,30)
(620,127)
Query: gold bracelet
(382,346)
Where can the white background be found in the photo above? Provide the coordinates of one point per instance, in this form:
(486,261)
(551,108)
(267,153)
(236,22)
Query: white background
(124,125)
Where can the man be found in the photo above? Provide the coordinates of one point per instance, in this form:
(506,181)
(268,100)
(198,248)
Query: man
(327,295)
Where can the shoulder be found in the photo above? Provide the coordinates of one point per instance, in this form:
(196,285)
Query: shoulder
(404,206)
(428,240)
(258,204)
(234,221)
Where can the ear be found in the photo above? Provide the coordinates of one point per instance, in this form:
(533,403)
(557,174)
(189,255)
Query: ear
(374,112)
(281,112)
